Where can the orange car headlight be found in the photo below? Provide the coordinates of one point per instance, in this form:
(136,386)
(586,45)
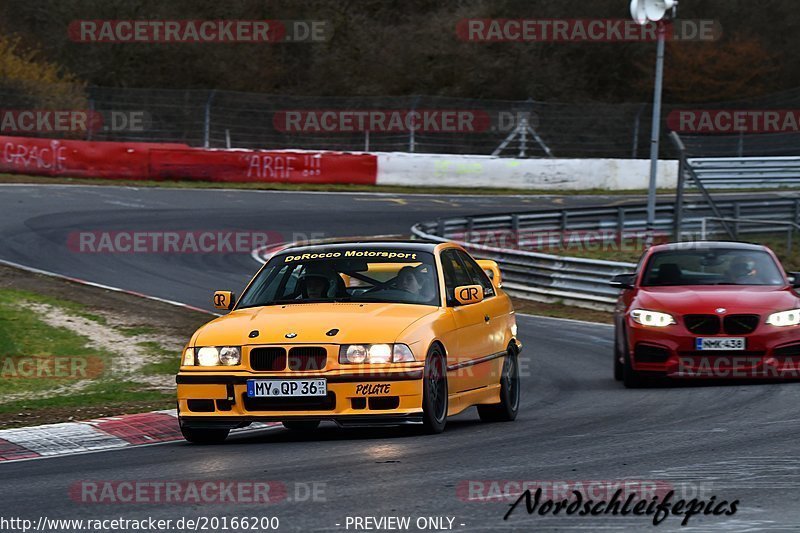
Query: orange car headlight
(219,356)
(355,354)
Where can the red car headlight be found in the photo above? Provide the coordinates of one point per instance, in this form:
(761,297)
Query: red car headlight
(784,318)
(654,319)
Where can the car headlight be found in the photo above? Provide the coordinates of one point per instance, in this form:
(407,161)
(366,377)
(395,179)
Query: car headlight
(217,356)
(652,318)
(188,357)
(784,318)
(230,355)
(375,353)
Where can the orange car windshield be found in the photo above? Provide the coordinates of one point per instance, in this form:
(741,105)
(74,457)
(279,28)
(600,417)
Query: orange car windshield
(388,276)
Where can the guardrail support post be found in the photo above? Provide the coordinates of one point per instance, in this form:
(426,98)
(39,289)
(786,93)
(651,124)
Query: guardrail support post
(515,229)
(440,227)
(470,226)
(737,214)
(620,225)
(564,222)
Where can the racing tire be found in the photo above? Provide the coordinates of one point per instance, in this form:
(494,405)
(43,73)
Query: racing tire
(619,366)
(507,409)
(204,435)
(630,377)
(434,392)
(301,426)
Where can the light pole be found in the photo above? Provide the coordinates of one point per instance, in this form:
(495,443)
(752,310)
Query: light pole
(644,11)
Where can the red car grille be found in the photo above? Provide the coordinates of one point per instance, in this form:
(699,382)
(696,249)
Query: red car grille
(740,324)
(702,324)
(712,325)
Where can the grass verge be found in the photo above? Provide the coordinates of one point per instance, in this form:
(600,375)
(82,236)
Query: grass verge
(71,352)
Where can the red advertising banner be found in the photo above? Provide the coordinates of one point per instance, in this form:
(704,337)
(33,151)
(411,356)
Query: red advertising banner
(167,161)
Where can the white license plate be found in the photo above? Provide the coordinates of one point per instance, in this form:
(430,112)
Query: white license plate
(711,344)
(283,388)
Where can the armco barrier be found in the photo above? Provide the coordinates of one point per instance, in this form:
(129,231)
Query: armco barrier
(584,282)
(154,161)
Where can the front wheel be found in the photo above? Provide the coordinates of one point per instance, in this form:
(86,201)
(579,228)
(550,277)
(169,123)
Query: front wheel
(204,435)
(619,366)
(434,392)
(630,377)
(507,409)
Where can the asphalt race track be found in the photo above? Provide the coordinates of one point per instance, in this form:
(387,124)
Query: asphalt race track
(36,223)
(732,441)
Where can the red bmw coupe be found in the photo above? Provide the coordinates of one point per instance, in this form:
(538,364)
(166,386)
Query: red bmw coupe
(707,310)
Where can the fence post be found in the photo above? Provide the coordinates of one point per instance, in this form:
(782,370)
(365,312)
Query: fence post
(737,212)
(620,225)
(91,125)
(636,126)
(207,120)
(677,222)
(412,135)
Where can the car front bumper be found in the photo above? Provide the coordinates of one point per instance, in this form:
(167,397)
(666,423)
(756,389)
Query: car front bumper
(220,400)
(770,352)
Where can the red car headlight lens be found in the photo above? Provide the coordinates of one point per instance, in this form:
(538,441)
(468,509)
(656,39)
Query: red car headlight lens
(784,318)
(654,319)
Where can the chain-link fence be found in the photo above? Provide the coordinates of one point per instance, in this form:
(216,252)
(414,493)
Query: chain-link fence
(424,124)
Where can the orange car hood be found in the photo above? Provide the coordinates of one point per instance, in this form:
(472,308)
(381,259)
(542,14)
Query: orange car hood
(357,323)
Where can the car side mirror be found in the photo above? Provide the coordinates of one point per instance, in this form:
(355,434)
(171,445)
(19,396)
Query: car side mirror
(623,281)
(794,277)
(492,270)
(224,300)
(468,294)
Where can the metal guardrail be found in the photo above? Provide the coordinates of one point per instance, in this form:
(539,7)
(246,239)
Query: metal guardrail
(510,239)
(747,172)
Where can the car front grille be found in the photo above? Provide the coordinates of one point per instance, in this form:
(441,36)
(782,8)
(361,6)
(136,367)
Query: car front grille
(308,358)
(702,324)
(740,324)
(268,359)
(315,403)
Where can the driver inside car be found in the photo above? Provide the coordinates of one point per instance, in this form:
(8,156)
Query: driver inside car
(313,287)
(743,270)
(407,280)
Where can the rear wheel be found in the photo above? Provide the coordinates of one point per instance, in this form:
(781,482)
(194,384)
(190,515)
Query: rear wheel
(301,425)
(507,409)
(434,391)
(204,435)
